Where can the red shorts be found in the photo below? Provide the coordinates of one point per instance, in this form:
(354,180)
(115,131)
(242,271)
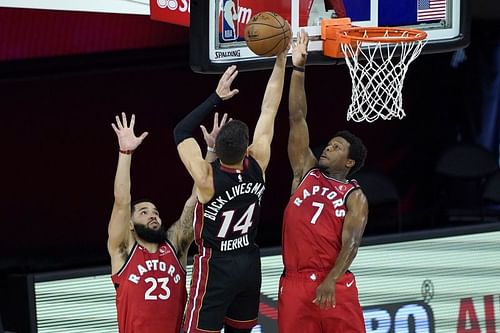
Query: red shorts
(297,312)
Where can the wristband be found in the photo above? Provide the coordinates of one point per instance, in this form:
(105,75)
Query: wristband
(210,149)
(299,69)
(126,152)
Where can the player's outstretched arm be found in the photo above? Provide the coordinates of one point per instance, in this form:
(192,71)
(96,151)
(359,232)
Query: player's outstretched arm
(352,232)
(184,129)
(181,233)
(119,235)
(188,149)
(300,156)
(260,148)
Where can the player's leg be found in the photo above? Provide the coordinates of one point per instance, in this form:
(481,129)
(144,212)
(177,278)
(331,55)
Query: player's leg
(296,311)
(344,318)
(208,297)
(347,316)
(243,311)
(229,329)
(337,6)
(315,9)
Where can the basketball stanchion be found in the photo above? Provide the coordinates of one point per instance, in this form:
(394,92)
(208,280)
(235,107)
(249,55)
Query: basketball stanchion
(378,59)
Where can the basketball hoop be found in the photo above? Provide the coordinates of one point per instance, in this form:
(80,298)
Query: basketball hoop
(378,59)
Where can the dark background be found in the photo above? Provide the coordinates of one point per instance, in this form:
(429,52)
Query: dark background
(64,76)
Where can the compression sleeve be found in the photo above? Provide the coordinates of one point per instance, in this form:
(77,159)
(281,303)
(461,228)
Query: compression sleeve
(186,126)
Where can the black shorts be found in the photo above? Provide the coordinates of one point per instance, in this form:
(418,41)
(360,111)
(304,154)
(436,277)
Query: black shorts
(225,289)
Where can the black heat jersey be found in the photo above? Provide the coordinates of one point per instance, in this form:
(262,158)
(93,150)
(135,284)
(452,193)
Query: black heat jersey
(229,221)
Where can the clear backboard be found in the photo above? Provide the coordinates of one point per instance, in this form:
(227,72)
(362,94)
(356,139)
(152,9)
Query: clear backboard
(217,26)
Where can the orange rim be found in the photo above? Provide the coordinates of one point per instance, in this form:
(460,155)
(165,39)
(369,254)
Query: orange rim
(382,34)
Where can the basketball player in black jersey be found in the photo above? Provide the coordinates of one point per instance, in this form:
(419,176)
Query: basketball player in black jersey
(153,298)
(225,287)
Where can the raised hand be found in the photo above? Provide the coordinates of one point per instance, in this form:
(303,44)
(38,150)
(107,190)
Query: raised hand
(299,49)
(224,90)
(125,133)
(210,137)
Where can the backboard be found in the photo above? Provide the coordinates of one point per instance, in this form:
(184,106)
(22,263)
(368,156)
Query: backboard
(217,26)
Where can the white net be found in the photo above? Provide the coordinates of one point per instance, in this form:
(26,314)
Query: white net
(378,70)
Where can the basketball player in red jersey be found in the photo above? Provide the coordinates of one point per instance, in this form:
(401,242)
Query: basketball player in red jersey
(147,261)
(311,11)
(322,225)
(337,6)
(225,288)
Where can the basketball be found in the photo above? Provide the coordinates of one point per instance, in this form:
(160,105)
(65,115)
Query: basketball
(267,34)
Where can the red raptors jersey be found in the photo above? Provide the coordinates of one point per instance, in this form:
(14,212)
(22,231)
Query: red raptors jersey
(313,221)
(150,291)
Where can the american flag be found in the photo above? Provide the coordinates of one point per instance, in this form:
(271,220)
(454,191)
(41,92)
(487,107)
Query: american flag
(431,10)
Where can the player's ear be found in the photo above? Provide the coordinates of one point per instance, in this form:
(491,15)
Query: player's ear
(131,225)
(350,163)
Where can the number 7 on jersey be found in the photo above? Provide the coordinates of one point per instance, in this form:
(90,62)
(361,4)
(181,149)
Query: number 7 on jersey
(319,206)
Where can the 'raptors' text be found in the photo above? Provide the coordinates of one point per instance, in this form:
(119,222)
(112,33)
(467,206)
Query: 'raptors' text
(154,265)
(330,194)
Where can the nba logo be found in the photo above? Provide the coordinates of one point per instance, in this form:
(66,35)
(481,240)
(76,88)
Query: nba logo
(230,20)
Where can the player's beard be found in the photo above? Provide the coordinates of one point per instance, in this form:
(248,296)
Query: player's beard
(150,235)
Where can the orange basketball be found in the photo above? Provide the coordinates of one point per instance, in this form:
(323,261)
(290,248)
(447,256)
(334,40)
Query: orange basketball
(267,34)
